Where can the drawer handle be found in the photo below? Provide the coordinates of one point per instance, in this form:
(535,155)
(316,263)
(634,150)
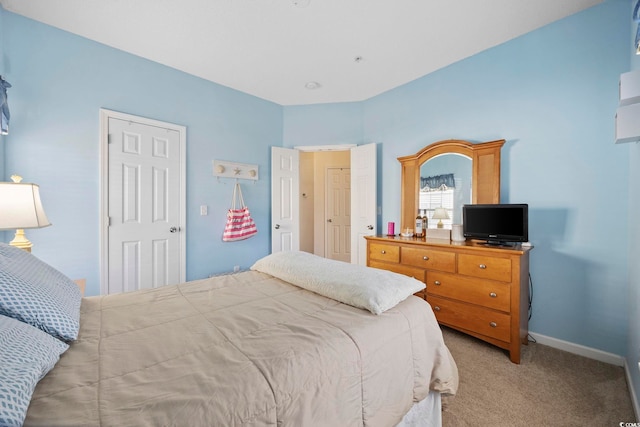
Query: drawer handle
(493,295)
(426,258)
(436,308)
(482,266)
(437,282)
(383,252)
(493,324)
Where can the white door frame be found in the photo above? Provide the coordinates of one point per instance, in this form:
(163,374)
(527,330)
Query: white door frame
(371,226)
(317,149)
(105,115)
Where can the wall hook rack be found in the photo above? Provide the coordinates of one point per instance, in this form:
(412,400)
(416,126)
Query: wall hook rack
(224,169)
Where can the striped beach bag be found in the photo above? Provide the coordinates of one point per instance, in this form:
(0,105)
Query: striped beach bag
(239,225)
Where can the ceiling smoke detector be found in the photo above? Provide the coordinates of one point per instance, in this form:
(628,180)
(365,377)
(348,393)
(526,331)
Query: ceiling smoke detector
(301,3)
(312,85)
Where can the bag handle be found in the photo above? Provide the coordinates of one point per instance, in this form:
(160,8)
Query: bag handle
(237,194)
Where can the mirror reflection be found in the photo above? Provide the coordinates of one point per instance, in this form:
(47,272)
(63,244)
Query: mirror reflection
(445,182)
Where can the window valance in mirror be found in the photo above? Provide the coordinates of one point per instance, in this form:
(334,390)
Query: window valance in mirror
(435,182)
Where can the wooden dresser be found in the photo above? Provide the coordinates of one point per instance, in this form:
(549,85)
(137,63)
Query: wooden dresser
(477,289)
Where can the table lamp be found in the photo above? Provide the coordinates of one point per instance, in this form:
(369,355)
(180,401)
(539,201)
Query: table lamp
(440,213)
(20,208)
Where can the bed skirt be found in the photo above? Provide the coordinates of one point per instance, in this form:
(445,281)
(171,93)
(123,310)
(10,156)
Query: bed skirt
(426,413)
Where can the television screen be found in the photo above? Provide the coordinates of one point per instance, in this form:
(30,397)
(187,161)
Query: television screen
(497,224)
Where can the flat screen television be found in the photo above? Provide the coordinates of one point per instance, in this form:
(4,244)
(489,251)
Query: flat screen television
(498,224)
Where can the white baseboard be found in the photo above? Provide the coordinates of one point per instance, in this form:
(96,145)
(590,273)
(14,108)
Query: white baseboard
(632,392)
(580,350)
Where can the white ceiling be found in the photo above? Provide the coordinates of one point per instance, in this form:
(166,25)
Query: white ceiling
(272,48)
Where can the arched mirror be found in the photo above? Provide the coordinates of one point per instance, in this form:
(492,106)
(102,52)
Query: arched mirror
(451,172)
(445,182)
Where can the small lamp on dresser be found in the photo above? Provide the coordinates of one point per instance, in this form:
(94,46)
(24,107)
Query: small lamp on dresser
(20,208)
(440,214)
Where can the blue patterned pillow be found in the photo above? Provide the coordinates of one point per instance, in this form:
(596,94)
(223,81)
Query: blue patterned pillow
(38,294)
(26,355)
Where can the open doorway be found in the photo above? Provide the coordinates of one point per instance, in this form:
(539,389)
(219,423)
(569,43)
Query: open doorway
(292,205)
(325,205)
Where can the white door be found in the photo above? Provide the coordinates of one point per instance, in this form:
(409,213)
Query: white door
(285,200)
(145,205)
(363,200)
(338,214)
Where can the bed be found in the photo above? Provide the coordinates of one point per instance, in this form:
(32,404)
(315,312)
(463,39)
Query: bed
(296,341)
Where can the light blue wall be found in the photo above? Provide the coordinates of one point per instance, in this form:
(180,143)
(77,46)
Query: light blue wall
(322,124)
(633,354)
(60,81)
(552,95)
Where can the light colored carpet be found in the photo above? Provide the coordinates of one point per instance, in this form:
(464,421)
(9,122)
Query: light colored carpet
(550,387)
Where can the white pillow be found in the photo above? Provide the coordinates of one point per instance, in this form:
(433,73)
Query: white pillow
(359,286)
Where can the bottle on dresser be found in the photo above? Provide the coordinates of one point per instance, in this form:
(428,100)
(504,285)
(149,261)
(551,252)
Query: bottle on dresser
(425,223)
(419,230)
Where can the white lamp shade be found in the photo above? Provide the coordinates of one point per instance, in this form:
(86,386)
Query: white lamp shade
(20,206)
(440,213)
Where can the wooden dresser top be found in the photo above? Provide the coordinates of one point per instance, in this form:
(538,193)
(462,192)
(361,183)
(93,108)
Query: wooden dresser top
(478,245)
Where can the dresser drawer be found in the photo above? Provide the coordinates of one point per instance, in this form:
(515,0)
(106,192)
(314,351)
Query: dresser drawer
(485,267)
(476,319)
(399,268)
(382,252)
(429,258)
(487,293)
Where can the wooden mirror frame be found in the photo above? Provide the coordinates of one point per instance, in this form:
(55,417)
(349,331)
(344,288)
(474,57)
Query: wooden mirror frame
(485,176)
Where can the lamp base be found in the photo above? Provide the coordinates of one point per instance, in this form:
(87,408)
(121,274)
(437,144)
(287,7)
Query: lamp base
(21,241)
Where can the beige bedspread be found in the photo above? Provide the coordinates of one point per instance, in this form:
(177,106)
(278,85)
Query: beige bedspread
(242,349)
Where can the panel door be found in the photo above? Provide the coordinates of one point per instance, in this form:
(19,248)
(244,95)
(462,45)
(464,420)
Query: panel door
(285,200)
(338,214)
(144,200)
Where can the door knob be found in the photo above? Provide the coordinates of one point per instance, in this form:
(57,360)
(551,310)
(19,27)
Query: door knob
(370,227)
(277,226)
(173,229)
(329,220)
